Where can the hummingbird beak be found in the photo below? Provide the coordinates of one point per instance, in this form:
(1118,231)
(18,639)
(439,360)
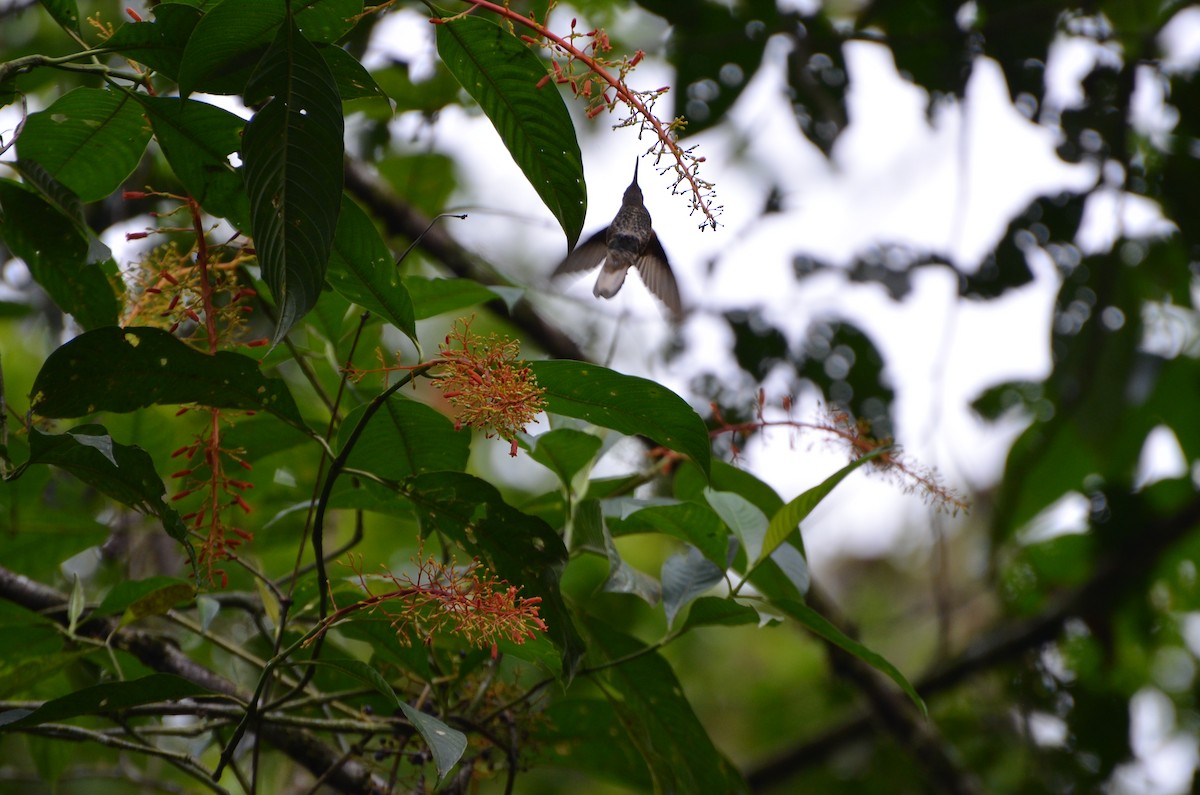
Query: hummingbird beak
(635,168)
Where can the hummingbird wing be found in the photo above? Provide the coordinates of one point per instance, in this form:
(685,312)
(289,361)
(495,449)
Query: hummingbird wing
(587,256)
(657,276)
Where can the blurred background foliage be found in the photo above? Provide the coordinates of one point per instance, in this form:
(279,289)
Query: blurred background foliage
(1053,662)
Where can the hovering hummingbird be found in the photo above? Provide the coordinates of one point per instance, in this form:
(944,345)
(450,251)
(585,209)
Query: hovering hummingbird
(628,241)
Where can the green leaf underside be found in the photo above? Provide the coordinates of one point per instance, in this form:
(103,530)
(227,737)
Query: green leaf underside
(197,139)
(89,139)
(293,149)
(121,370)
(57,256)
(693,522)
(105,699)
(624,403)
(503,76)
(565,452)
(159,44)
(361,270)
(123,472)
(651,706)
(227,43)
(446,744)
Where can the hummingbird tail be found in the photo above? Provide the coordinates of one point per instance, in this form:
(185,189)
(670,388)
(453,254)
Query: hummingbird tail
(609,282)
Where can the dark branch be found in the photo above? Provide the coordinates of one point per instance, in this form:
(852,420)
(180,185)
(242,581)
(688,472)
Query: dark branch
(404,220)
(1115,576)
(322,760)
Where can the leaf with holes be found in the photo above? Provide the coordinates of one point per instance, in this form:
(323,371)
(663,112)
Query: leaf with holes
(125,369)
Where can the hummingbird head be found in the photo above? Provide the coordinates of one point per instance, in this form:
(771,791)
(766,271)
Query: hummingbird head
(633,194)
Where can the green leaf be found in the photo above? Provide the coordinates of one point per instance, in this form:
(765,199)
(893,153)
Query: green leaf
(690,484)
(197,139)
(503,76)
(446,744)
(693,522)
(115,369)
(292,150)
(361,270)
(158,602)
(123,472)
(104,700)
(66,202)
(623,578)
(64,12)
(658,719)
(787,519)
(565,452)
(326,21)
(821,627)
(160,43)
(713,611)
(684,577)
(352,78)
(519,548)
(75,605)
(432,297)
(405,438)
(226,45)
(90,140)
(126,592)
(742,517)
(57,256)
(626,404)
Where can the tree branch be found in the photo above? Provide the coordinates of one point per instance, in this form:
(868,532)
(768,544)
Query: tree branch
(322,760)
(404,220)
(1095,601)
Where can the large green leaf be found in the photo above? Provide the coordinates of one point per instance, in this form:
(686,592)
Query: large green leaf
(361,270)
(326,21)
(624,403)
(292,150)
(651,706)
(227,44)
(63,199)
(64,12)
(686,576)
(89,139)
(115,369)
(159,44)
(125,473)
(405,438)
(565,452)
(520,548)
(445,744)
(693,522)
(104,700)
(197,139)
(57,256)
(503,76)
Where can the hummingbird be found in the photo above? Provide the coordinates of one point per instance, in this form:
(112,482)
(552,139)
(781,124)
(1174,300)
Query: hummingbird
(627,242)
